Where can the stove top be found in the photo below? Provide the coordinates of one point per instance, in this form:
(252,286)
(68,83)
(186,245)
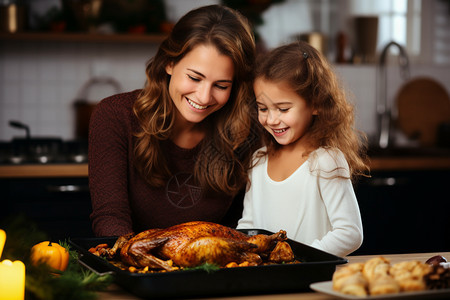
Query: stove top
(43,151)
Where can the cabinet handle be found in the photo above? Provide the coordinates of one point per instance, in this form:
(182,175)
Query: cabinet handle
(69,188)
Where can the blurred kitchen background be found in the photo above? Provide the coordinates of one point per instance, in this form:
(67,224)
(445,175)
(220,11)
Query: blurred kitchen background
(42,77)
(58,58)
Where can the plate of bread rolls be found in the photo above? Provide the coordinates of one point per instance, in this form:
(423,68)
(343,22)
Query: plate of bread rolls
(377,278)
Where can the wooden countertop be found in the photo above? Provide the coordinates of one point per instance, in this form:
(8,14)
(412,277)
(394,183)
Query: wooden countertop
(388,163)
(115,292)
(44,170)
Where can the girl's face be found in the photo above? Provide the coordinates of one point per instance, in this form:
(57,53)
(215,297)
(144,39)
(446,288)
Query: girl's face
(200,83)
(282,111)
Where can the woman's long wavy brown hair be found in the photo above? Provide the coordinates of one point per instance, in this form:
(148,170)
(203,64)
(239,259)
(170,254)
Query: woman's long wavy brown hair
(308,72)
(226,150)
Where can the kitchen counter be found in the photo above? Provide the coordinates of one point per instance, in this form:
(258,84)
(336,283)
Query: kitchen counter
(409,163)
(115,292)
(382,163)
(43,170)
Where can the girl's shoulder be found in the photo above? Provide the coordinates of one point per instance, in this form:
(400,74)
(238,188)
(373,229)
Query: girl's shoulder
(261,151)
(259,156)
(328,153)
(328,159)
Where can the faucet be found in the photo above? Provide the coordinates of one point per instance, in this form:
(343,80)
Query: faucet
(383,108)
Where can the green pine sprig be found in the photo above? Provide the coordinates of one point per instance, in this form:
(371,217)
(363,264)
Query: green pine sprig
(42,282)
(207,267)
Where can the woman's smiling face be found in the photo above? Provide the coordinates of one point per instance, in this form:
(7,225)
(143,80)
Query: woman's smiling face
(200,83)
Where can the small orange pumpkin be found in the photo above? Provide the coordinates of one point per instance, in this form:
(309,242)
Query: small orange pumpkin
(53,254)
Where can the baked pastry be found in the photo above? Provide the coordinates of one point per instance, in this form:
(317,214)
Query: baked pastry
(410,275)
(377,266)
(378,277)
(341,274)
(438,278)
(383,284)
(355,285)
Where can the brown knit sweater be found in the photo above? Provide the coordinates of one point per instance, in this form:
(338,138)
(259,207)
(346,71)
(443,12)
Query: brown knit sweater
(121,199)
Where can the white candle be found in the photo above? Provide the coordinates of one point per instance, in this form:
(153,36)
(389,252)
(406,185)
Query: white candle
(12,276)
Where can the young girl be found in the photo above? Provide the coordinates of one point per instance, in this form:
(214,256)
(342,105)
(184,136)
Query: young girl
(302,178)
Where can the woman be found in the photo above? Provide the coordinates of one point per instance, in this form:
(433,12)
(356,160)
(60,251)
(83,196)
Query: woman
(178,150)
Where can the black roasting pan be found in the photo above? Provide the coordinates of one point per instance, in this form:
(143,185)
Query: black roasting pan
(281,278)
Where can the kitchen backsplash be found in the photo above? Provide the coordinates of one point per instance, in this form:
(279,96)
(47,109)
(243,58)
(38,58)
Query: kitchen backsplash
(40,81)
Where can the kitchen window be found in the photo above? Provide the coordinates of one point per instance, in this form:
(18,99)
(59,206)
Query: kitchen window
(398,21)
(423,27)
(436,32)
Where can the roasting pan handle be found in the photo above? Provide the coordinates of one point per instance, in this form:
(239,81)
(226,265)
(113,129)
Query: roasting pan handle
(89,267)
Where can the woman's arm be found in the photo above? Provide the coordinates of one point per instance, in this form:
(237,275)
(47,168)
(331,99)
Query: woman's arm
(108,165)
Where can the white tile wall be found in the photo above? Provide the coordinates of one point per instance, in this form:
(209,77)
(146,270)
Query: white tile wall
(39,82)
(359,83)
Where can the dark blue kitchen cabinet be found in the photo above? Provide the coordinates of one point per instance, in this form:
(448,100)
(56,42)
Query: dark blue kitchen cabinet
(405,211)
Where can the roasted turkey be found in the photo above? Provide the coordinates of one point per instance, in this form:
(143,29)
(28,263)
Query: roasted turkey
(195,243)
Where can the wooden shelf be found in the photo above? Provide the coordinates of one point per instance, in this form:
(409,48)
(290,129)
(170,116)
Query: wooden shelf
(83,37)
